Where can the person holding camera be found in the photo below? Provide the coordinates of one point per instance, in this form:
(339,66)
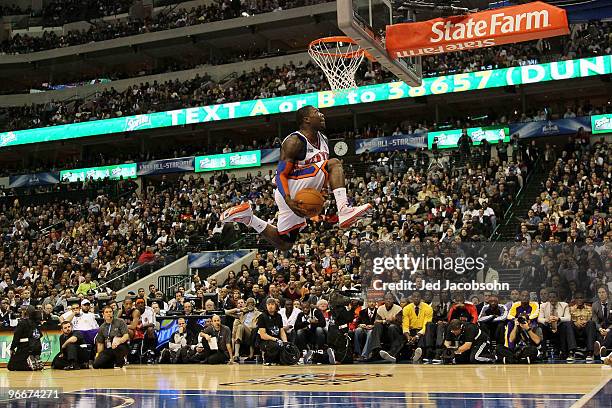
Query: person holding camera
(466,343)
(271,333)
(73,353)
(524,342)
(26,346)
(111,342)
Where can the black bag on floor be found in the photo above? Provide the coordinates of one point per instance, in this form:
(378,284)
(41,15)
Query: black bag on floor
(289,354)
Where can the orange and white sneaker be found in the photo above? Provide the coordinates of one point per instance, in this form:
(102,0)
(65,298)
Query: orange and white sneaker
(349,215)
(240,213)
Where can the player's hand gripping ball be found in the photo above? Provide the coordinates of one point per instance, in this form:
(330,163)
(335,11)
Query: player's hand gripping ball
(311,201)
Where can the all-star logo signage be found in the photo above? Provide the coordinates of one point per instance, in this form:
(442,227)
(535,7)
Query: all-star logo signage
(303,379)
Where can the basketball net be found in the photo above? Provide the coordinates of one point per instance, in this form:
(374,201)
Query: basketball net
(339,58)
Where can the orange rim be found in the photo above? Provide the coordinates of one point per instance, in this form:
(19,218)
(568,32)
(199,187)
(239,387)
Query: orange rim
(338,39)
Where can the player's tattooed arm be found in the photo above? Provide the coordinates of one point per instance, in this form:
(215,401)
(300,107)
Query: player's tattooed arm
(289,155)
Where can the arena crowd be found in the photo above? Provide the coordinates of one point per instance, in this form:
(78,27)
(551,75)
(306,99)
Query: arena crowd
(310,297)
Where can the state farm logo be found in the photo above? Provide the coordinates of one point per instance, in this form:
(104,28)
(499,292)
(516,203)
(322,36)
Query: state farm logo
(7,138)
(603,123)
(507,25)
(137,122)
(497,24)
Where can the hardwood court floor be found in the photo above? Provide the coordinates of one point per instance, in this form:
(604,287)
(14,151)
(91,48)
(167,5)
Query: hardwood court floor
(373,385)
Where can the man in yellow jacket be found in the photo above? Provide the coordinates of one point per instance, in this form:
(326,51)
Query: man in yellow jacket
(415,317)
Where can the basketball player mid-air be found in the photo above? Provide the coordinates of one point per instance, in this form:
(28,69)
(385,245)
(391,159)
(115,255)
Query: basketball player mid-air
(304,163)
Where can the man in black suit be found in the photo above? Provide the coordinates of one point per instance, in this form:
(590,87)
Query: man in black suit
(363,332)
(602,316)
(482,223)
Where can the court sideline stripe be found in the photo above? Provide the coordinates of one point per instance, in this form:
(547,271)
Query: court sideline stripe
(587,397)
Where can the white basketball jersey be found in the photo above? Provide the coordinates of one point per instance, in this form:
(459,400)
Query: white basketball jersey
(314,154)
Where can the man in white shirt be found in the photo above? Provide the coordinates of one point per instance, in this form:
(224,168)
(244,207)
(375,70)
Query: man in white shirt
(289,315)
(87,320)
(162,239)
(555,320)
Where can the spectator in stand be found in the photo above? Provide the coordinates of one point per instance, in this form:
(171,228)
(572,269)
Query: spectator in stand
(554,319)
(363,333)
(492,320)
(583,330)
(387,331)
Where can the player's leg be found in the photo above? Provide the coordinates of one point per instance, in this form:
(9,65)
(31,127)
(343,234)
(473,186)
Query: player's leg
(243,213)
(347,215)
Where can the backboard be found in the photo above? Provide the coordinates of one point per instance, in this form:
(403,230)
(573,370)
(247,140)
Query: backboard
(365,21)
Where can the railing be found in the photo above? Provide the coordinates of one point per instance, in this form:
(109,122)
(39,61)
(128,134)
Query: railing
(169,284)
(518,199)
(134,272)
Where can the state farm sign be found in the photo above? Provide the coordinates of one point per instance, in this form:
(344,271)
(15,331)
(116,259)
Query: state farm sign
(484,29)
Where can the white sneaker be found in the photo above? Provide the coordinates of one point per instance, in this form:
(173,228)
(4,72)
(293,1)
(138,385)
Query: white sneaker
(349,215)
(308,356)
(597,349)
(331,355)
(608,360)
(240,213)
(386,356)
(418,352)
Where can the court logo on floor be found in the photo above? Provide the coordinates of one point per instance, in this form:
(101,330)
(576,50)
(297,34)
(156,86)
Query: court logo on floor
(310,379)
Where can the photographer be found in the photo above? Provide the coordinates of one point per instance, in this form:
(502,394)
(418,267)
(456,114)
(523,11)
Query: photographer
(466,343)
(339,332)
(111,342)
(73,353)
(26,346)
(271,333)
(523,342)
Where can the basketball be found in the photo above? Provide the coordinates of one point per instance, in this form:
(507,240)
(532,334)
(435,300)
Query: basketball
(312,201)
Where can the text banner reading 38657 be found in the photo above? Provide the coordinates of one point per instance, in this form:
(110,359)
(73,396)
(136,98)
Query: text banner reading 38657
(472,81)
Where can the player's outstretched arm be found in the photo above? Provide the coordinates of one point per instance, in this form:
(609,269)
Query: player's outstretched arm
(290,151)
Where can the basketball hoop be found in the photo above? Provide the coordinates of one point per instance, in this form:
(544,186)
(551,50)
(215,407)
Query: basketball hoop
(339,58)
